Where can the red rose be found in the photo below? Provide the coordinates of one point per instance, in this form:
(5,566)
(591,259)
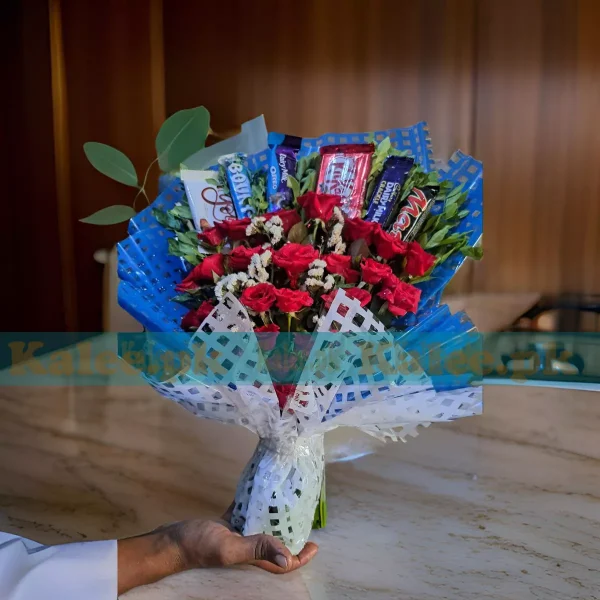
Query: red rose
(391,281)
(418,262)
(319,206)
(386,244)
(211,236)
(267,336)
(339,264)
(284,392)
(291,301)
(202,272)
(259,297)
(194,318)
(359,294)
(357,229)
(234,229)
(373,271)
(288,218)
(401,300)
(295,259)
(240,257)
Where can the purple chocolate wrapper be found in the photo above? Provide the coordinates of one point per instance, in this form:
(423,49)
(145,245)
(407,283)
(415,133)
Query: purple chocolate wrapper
(388,188)
(282,162)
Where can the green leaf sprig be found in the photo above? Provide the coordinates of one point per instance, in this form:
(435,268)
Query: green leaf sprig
(306,173)
(180,136)
(436,236)
(258,200)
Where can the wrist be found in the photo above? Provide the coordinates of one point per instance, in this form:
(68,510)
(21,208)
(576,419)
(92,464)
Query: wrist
(149,558)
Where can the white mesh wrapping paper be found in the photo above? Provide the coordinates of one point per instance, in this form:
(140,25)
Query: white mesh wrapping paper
(279,488)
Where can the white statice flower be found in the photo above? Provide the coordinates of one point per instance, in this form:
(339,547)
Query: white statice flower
(318,264)
(340,247)
(251,282)
(338,215)
(329,283)
(335,239)
(229,283)
(256,226)
(256,269)
(234,329)
(274,228)
(318,272)
(312,282)
(265,258)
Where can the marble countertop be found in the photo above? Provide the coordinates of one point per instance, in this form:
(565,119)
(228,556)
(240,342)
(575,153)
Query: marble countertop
(503,506)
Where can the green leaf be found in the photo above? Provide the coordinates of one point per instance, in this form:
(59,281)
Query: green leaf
(167,220)
(437,237)
(111,162)
(298,233)
(110,215)
(475,252)
(182,211)
(432,223)
(309,182)
(463,213)
(182,298)
(450,210)
(180,136)
(293,184)
(212,181)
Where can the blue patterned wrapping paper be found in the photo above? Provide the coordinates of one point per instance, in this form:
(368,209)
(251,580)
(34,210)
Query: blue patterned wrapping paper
(149,274)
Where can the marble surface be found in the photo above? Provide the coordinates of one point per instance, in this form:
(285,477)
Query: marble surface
(503,506)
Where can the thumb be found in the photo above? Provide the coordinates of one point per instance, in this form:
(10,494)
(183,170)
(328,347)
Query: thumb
(261,548)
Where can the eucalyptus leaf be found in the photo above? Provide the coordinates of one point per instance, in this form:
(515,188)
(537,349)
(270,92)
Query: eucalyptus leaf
(298,233)
(180,136)
(359,249)
(110,215)
(111,162)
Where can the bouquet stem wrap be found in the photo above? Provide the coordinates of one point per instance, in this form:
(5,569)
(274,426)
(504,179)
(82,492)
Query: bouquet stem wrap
(279,489)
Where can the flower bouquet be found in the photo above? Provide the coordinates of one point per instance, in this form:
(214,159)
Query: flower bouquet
(306,277)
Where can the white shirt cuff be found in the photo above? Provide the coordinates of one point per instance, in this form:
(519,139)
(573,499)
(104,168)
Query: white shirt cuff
(29,571)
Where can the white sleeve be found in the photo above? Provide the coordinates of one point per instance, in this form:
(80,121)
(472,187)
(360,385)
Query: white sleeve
(31,571)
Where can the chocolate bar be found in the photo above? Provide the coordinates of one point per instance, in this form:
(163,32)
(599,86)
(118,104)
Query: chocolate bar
(344,172)
(282,162)
(413,212)
(238,178)
(388,188)
(208,203)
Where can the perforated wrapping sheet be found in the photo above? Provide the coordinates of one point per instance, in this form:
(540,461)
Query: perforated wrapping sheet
(279,488)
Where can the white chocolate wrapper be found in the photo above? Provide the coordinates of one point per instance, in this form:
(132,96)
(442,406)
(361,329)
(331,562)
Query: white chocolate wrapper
(279,489)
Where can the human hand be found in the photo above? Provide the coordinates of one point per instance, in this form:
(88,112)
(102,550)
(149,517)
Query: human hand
(201,543)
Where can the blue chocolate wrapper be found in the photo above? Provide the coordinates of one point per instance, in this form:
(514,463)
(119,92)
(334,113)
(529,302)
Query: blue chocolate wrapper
(388,188)
(282,162)
(238,178)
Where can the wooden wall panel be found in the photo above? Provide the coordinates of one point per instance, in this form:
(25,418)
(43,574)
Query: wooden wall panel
(538,92)
(319,66)
(32,297)
(114,90)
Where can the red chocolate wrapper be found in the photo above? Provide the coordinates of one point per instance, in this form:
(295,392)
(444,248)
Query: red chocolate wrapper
(413,212)
(344,171)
